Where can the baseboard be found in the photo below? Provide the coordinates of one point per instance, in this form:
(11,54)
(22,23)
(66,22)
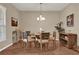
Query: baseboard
(6,47)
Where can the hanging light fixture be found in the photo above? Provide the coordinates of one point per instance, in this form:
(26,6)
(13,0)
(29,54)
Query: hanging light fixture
(40,18)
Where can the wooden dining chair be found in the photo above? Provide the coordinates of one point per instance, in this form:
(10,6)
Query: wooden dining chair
(43,41)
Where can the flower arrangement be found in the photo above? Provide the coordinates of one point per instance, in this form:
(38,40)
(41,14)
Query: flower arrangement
(59,28)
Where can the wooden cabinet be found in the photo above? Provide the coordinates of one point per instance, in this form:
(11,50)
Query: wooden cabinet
(68,40)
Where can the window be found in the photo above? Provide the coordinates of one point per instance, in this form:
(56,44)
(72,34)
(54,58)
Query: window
(2,23)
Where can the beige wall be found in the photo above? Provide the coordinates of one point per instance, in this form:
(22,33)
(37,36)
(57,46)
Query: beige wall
(72,8)
(29,21)
(11,12)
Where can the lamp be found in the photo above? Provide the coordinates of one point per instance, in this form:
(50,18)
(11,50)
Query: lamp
(40,18)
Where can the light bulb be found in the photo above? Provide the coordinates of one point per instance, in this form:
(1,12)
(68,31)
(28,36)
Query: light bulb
(37,18)
(41,29)
(43,18)
(40,16)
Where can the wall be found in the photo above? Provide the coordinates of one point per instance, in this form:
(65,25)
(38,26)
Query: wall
(71,8)
(10,12)
(29,21)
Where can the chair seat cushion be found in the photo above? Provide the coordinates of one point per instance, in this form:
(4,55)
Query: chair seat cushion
(24,40)
(43,41)
(31,39)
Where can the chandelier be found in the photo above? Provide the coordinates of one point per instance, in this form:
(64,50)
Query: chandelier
(40,18)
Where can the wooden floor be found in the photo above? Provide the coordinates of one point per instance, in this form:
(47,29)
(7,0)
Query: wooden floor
(17,49)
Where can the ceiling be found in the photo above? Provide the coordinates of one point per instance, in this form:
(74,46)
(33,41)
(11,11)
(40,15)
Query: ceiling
(36,6)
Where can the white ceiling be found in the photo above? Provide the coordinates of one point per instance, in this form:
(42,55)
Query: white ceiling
(36,6)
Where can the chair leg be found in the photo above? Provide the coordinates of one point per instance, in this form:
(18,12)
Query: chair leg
(27,45)
(24,44)
(54,44)
(47,46)
(41,46)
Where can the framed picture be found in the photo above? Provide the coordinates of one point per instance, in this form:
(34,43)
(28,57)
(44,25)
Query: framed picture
(14,22)
(70,20)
